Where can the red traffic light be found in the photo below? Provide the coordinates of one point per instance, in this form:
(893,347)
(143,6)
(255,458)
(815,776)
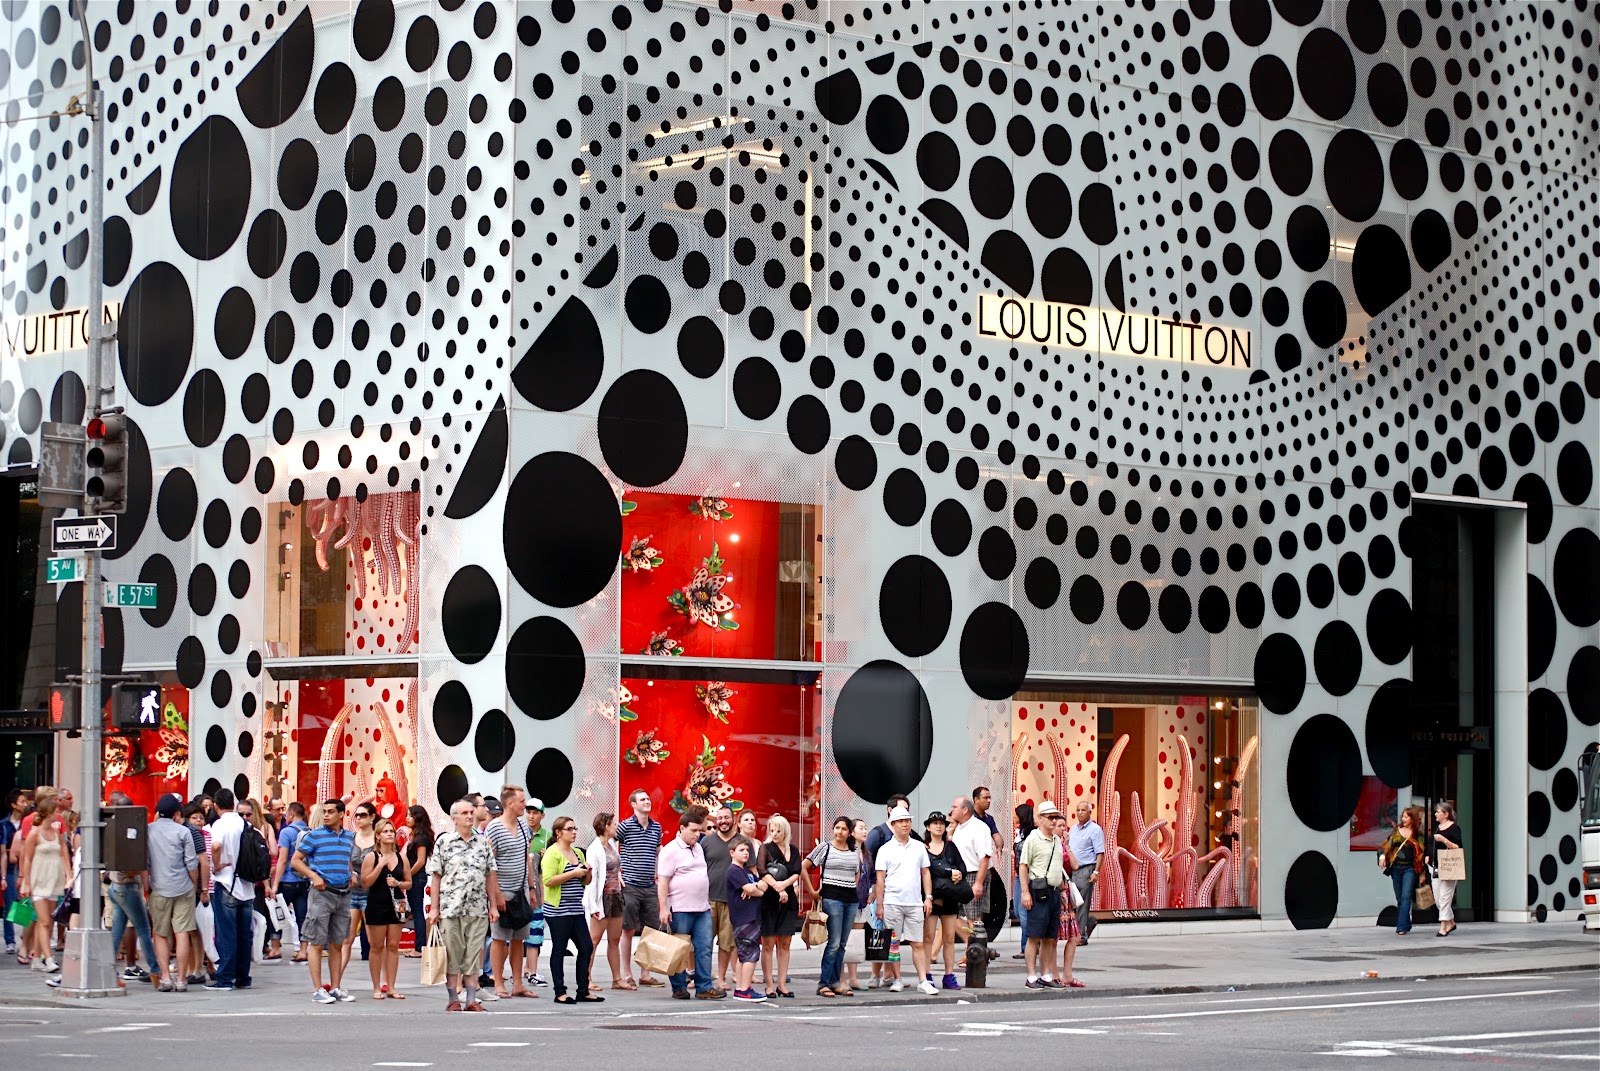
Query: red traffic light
(97,428)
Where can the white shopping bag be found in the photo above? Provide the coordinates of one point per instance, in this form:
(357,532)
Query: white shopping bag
(208,930)
(278,908)
(289,930)
(258,937)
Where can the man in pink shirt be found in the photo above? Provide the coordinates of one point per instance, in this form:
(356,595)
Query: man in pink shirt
(684,892)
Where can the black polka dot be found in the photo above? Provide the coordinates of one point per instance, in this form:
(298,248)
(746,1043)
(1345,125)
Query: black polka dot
(1337,657)
(887,124)
(158,570)
(1575,473)
(808,424)
(1389,626)
(494,741)
(545,668)
(469,614)
(1547,729)
(177,504)
(452,713)
(1280,673)
(1353,172)
(882,731)
(648,304)
(1380,268)
(1213,610)
(451,786)
(486,465)
(994,651)
(1311,892)
(1174,609)
(564,364)
(550,776)
(276,85)
(1097,213)
(1324,773)
(1392,720)
(756,388)
(1538,814)
(856,463)
(1575,576)
(904,498)
(1133,600)
(701,347)
(335,97)
(1327,73)
(210,189)
(1087,599)
(914,605)
(839,97)
(997,553)
(1042,583)
(563,529)
(216,743)
(951,527)
(1541,628)
(1583,685)
(938,161)
(155,333)
(643,428)
(205,407)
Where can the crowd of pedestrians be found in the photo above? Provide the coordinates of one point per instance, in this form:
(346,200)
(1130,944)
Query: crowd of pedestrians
(231,884)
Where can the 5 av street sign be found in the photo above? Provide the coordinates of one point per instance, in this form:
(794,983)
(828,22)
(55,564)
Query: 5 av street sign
(77,535)
(65,570)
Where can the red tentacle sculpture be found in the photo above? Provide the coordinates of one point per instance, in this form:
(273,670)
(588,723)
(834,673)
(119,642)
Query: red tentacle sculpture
(1111,895)
(1059,789)
(1154,875)
(1217,877)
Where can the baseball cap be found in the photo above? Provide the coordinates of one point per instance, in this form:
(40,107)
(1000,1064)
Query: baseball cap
(492,805)
(898,813)
(535,804)
(169,805)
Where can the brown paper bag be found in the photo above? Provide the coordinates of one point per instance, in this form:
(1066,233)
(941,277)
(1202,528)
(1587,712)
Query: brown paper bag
(664,953)
(815,930)
(1424,897)
(434,960)
(1452,864)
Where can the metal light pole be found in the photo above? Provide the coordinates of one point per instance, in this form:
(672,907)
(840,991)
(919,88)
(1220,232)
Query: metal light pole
(90,967)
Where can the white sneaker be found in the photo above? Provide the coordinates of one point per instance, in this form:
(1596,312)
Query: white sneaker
(341,996)
(896,986)
(11,948)
(927,987)
(322,996)
(488,994)
(874,982)
(37,964)
(51,965)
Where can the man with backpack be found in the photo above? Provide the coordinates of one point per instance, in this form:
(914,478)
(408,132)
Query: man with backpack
(239,860)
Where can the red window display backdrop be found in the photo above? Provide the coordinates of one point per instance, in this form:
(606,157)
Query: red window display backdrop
(764,758)
(748,544)
(148,764)
(360,761)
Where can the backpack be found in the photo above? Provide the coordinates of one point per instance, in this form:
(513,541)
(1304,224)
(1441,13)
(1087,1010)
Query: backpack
(255,863)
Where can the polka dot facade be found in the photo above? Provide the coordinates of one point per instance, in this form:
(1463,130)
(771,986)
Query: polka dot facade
(520,263)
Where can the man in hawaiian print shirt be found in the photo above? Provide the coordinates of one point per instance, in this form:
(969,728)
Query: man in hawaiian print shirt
(464,898)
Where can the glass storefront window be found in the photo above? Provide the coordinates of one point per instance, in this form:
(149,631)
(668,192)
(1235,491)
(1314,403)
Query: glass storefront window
(717,577)
(749,741)
(342,737)
(1174,782)
(343,577)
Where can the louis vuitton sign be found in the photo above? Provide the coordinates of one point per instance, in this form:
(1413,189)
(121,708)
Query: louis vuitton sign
(1121,334)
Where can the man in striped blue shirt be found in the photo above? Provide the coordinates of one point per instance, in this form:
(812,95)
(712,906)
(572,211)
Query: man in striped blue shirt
(638,845)
(322,857)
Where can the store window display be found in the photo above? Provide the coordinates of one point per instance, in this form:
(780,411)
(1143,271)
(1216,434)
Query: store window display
(1174,782)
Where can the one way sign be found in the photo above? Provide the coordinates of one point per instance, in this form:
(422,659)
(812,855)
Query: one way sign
(75,535)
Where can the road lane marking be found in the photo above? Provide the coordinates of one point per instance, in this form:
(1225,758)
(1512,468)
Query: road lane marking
(1513,1034)
(1278,1010)
(399,1063)
(500,1044)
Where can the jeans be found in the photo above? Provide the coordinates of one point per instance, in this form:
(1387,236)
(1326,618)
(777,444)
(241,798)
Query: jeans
(841,919)
(1405,887)
(232,919)
(294,894)
(696,925)
(13,876)
(574,928)
(1016,909)
(127,905)
(418,918)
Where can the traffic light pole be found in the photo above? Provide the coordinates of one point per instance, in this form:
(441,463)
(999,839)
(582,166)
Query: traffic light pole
(90,967)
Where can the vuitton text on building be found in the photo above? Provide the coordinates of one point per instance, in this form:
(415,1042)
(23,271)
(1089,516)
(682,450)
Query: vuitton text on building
(1122,334)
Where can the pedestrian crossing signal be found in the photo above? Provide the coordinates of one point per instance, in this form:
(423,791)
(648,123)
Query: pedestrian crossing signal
(137,706)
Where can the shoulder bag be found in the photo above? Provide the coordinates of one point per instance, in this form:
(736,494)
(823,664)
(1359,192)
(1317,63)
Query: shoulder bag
(1039,888)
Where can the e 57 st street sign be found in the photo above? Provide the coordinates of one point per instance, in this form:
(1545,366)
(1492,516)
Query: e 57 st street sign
(76,535)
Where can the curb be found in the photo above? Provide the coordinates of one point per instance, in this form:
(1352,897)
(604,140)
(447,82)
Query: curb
(1002,996)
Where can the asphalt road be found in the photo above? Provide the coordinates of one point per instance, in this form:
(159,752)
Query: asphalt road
(1528,1021)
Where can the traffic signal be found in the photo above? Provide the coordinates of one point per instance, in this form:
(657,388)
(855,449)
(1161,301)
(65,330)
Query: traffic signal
(64,707)
(136,706)
(107,489)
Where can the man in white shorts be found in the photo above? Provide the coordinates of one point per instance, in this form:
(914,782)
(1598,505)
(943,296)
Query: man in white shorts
(903,891)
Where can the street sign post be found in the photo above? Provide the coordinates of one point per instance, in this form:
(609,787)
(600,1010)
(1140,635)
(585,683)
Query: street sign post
(138,596)
(80,535)
(65,570)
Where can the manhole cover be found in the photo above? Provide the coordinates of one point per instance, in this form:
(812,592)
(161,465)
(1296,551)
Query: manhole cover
(648,1026)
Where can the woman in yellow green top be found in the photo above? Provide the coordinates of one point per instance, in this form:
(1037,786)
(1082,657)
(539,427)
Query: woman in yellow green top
(564,873)
(1402,858)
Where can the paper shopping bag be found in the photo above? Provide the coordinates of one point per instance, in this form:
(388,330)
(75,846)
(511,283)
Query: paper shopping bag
(664,953)
(1424,897)
(433,958)
(1453,864)
(815,931)
(877,944)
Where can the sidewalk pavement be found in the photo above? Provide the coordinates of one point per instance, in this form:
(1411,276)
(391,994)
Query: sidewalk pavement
(1119,961)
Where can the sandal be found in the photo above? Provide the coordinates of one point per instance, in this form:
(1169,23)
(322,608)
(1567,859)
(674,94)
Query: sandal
(786,993)
(397,996)
(624,986)
(845,992)
(824,991)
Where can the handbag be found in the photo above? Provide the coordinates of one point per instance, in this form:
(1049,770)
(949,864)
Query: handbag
(518,911)
(815,930)
(434,959)
(1424,897)
(1452,864)
(877,944)
(1039,888)
(1077,897)
(21,913)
